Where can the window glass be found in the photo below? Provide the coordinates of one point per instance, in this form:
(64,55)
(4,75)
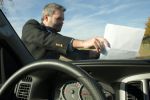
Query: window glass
(86,19)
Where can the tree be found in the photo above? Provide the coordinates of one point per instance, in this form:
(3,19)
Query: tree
(147,29)
(145,47)
(146,39)
(1,4)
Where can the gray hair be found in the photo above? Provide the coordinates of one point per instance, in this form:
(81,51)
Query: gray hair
(50,8)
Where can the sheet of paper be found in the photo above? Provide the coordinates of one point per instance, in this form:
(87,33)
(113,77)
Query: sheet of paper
(124,41)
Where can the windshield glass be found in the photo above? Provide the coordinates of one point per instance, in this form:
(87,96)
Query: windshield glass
(91,18)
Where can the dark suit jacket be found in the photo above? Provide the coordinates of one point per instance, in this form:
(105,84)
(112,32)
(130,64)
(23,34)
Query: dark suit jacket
(45,42)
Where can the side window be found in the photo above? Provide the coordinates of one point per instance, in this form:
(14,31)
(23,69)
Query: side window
(9,62)
(13,54)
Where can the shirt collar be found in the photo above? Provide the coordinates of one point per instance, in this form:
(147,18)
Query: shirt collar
(49,29)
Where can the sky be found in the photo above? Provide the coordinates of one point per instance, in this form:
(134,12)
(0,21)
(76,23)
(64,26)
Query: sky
(83,18)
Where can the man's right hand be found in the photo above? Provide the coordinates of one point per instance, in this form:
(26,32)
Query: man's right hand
(97,43)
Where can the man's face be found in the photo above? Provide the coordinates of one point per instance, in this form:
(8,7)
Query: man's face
(56,20)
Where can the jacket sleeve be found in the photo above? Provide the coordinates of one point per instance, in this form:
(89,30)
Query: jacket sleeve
(81,55)
(34,33)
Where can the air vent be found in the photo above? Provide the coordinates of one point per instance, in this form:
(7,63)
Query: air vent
(23,91)
(134,91)
(27,79)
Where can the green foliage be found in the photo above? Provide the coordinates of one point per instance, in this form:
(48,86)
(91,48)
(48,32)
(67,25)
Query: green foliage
(145,47)
(1,4)
(147,29)
(146,39)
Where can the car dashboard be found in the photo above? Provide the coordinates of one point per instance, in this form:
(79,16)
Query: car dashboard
(120,80)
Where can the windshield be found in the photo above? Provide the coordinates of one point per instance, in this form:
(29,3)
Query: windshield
(91,18)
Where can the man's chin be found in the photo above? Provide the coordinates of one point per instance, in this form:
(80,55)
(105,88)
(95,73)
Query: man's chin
(58,30)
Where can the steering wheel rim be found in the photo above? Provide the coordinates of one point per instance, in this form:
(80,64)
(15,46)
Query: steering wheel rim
(93,87)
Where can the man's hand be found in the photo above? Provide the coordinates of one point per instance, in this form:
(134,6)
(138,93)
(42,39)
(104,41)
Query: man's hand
(98,43)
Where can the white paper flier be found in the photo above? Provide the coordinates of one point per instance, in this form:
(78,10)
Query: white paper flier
(124,41)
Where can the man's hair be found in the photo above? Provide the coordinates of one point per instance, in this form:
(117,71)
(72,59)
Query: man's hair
(50,8)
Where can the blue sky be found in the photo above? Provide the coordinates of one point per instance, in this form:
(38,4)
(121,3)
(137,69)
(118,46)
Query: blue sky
(83,18)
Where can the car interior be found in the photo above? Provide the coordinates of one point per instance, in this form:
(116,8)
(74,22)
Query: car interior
(24,78)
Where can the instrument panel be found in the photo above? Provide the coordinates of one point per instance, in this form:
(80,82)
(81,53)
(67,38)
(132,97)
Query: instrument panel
(74,90)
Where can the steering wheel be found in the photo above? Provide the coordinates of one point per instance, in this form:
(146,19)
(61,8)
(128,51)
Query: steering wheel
(93,87)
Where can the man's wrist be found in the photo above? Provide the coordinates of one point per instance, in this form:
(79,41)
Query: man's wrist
(78,43)
(70,46)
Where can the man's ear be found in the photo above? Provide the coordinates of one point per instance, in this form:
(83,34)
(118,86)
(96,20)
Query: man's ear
(46,17)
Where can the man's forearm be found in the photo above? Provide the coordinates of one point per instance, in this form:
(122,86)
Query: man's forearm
(78,43)
(96,43)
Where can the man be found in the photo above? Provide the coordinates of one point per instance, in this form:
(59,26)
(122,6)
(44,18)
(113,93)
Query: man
(44,41)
